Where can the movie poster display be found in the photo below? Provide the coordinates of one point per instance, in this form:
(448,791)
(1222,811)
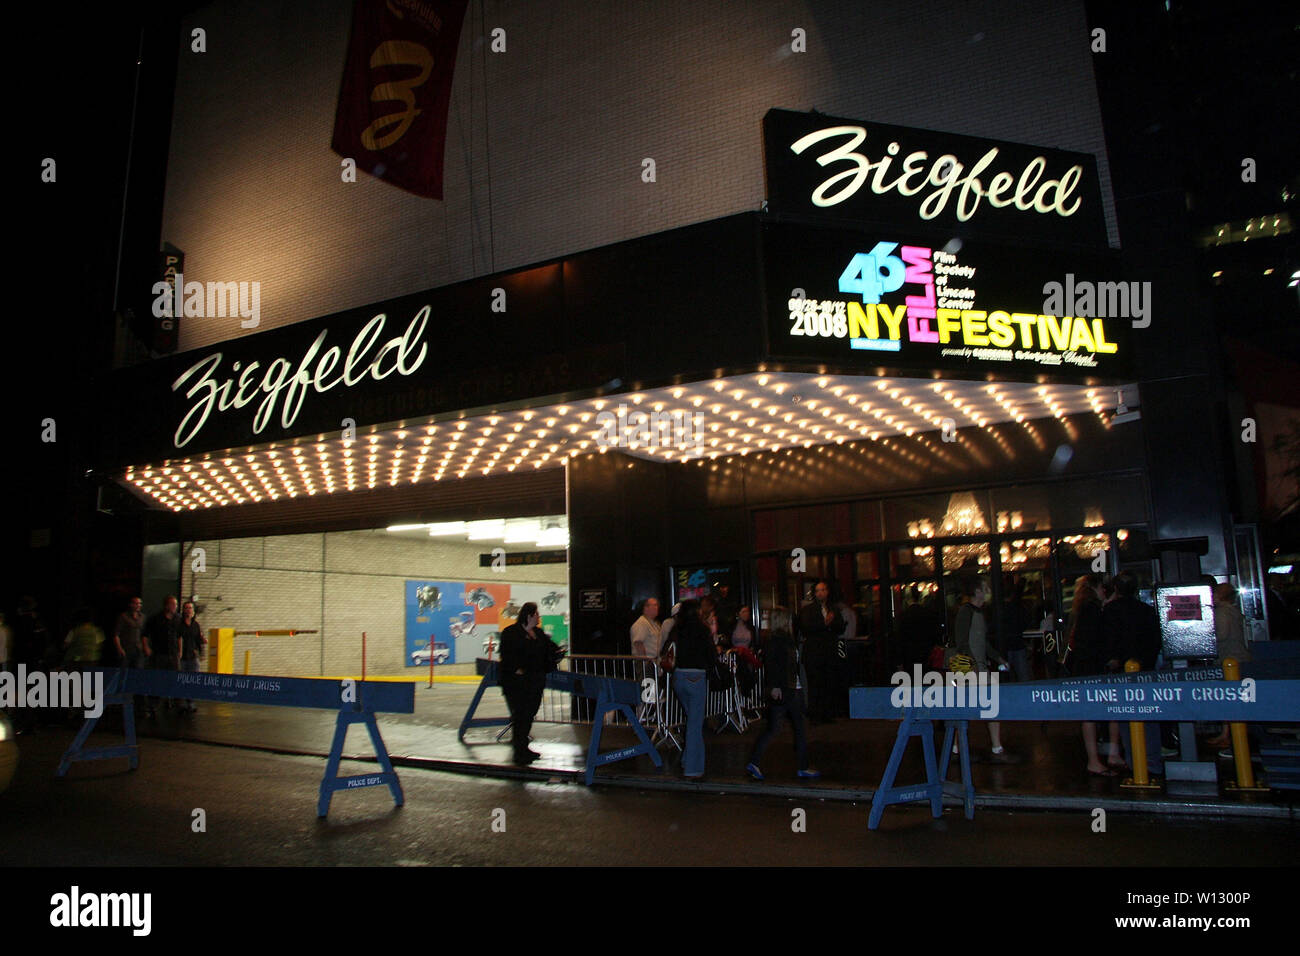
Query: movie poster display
(457,621)
(693,582)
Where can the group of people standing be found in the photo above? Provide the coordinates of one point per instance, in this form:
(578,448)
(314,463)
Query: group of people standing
(163,641)
(166,640)
(799,664)
(1108,624)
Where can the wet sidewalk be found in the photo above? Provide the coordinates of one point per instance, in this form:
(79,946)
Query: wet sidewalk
(851,754)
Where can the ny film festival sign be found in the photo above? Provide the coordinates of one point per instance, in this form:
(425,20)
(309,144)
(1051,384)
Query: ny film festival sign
(831,169)
(867,299)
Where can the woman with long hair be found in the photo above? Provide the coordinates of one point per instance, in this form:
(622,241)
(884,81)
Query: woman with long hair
(690,683)
(1088,657)
(527,656)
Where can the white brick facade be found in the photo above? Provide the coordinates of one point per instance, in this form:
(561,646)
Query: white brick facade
(562,120)
(338,584)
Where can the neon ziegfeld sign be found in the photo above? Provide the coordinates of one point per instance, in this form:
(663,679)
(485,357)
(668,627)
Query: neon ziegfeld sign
(945,173)
(279,379)
(841,170)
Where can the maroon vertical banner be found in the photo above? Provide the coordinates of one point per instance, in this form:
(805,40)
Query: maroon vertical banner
(392,112)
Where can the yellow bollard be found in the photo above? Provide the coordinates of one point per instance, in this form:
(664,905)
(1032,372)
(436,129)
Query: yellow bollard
(1137,732)
(1240,743)
(247,657)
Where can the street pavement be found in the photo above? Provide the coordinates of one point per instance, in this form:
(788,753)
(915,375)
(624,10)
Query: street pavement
(255,771)
(851,754)
(259,809)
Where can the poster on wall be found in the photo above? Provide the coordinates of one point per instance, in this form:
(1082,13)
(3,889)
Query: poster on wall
(434,618)
(449,622)
(696,581)
(552,602)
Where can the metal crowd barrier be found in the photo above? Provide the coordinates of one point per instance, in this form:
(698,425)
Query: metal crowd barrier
(561,707)
(612,695)
(729,706)
(660,712)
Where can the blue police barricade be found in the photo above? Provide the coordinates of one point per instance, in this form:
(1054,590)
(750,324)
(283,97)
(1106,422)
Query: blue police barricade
(612,694)
(958,699)
(357,702)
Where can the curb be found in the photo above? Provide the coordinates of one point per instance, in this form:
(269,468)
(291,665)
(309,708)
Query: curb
(1149,806)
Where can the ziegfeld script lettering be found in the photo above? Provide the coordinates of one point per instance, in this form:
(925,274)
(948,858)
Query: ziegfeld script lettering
(944,173)
(213,389)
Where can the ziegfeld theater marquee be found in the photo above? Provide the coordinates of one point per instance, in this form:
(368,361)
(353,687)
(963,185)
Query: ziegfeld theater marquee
(886,256)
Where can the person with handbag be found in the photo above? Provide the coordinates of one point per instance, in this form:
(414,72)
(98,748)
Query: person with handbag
(693,656)
(527,656)
(787,680)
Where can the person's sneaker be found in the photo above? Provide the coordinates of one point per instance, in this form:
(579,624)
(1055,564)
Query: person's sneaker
(753,771)
(1005,757)
(809,774)
(1255,758)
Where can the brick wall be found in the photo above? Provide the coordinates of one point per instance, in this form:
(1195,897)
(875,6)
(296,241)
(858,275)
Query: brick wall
(339,584)
(545,141)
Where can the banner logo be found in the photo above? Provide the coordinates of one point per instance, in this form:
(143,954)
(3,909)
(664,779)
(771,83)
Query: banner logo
(933,294)
(392,111)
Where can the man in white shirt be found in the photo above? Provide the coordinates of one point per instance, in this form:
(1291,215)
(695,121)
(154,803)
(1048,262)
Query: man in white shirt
(647,640)
(646,630)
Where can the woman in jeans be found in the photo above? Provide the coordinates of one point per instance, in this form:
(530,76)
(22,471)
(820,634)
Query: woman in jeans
(690,684)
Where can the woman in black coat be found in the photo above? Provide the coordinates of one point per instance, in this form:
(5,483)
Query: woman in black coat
(527,656)
(694,651)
